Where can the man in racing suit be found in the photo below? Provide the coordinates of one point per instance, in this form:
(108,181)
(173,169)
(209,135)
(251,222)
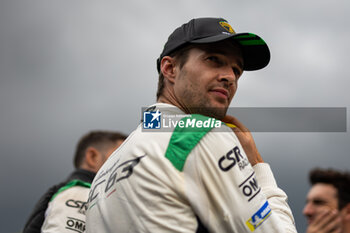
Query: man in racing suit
(62,208)
(190,172)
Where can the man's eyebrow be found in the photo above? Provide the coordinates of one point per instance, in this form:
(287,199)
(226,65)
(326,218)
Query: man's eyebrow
(223,51)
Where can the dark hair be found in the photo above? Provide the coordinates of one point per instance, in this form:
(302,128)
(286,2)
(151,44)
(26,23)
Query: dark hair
(97,139)
(340,181)
(181,56)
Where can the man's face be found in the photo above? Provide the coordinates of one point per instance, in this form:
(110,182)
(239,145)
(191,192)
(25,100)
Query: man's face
(208,80)
(321,196)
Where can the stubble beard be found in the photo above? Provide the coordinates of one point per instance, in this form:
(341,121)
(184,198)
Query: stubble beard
(202,106)
(195,103)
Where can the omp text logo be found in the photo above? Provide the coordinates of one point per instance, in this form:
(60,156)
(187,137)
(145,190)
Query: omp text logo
(232,158)
(75,224)
(259,217)
(151,120)
(250,187)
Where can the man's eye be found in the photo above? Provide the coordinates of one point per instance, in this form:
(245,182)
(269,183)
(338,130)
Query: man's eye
(214,59)
(237,71)
(319,202)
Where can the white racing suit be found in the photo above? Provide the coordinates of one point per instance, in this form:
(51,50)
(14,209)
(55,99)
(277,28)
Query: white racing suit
(189,179)
(66,210)
(62,208)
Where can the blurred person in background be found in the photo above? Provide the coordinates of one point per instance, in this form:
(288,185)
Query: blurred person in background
(327,206)
(62,208)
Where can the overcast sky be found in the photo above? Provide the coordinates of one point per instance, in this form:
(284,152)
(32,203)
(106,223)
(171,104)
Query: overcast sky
(67,67)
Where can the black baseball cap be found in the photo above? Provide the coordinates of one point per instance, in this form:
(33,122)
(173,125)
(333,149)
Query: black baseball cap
(256,53)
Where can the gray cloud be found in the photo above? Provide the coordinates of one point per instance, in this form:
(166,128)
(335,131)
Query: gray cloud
(67,67)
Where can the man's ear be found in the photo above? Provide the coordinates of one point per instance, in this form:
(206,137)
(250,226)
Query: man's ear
(167,67)
(92,158)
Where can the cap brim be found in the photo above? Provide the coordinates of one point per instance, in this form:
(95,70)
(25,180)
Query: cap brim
(256,53)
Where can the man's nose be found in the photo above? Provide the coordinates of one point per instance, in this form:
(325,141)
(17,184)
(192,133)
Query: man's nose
(227,75)
(308,209)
